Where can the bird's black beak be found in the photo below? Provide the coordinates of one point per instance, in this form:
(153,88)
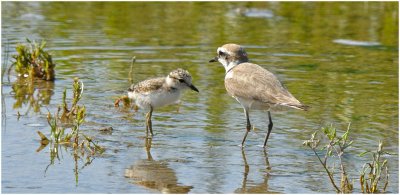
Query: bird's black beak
(193,88)
(214,60)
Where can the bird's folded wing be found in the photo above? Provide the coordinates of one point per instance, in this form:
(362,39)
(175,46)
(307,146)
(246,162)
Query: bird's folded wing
(149,85)
(253,82)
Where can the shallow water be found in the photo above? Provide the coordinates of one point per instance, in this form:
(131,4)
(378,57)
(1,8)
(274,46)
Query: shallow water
(339,58)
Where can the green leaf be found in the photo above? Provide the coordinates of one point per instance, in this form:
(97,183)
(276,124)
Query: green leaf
(363,153)
(43,44)
(351,142)
(334,133)
(345,135)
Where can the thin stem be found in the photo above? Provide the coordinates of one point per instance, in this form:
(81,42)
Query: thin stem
(327,171)
(131,70)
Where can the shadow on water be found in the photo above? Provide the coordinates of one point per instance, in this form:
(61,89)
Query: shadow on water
(155,174)
(258,188)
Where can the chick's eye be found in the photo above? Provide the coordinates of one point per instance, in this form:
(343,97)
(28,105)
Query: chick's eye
(181,80)
(221,53)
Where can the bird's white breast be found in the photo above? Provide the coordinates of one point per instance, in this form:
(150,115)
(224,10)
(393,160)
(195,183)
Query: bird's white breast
(229,75)
(157,98)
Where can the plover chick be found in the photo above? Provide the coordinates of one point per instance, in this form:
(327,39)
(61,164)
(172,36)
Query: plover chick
(253,86)
(157,92)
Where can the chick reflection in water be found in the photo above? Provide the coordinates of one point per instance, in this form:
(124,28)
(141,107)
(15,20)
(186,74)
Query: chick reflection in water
(255,188)
(155,175)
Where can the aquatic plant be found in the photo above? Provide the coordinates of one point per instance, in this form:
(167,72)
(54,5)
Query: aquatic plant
(130,74)
(33,61)
(70,113)
(124,99)
(371,172)
(335,147)
(77,114)
(82,145)
(374,171)
(31,92)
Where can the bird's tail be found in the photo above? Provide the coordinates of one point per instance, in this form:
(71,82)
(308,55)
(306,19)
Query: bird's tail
(297,106)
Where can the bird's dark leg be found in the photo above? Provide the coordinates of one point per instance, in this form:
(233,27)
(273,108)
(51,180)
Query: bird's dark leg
(248,126)
(269,128)
(148,123)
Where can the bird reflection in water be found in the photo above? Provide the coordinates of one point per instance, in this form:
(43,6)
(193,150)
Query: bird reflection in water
(254,188)
(155,175)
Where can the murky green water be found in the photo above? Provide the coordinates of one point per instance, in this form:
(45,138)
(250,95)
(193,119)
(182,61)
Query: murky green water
(310,46)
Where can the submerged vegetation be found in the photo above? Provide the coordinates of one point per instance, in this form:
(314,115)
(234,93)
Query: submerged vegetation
(335,146)
(82,145)
(32,61)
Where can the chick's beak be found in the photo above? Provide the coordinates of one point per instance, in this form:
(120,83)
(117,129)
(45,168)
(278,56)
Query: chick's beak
(193,88)
(214,60)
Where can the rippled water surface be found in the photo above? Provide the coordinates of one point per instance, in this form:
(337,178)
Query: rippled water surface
(339,58)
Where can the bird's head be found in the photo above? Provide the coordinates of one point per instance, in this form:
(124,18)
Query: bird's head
(180,79)
(230,55)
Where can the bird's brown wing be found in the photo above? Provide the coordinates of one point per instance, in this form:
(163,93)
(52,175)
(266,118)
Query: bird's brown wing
(253,82)
(148,85)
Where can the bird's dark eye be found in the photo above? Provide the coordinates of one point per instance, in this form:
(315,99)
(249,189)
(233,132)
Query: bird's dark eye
(181,80)
(221,53)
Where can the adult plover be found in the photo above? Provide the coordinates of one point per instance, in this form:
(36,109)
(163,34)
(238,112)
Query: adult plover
(253,86)
(157,92)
